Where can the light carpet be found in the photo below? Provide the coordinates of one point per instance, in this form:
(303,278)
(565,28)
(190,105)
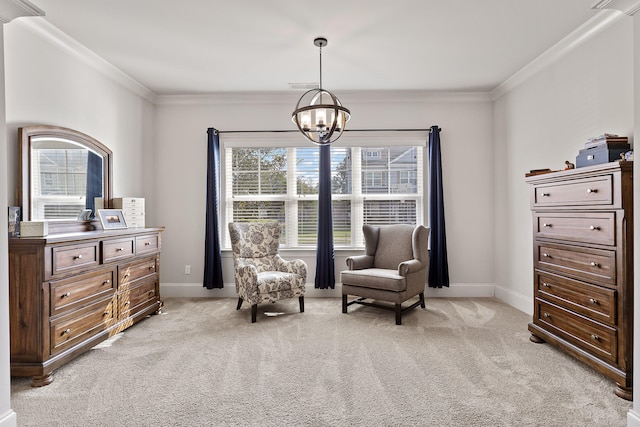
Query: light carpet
(459,362)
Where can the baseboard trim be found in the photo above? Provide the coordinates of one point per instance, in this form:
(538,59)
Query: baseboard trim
(633,418)
(9,419)
(515,299)
(195,290)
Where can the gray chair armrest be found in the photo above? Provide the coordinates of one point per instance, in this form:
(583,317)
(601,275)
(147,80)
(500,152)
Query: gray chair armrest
(410,266)
(359,262)
(295,266)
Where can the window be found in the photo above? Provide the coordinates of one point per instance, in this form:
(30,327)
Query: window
(377,184)
(59,179)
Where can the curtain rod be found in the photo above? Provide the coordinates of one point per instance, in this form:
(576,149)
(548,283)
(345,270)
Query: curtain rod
(346,130)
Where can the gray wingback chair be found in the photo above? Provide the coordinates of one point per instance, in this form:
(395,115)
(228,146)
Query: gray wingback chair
(393,269)
(261,274)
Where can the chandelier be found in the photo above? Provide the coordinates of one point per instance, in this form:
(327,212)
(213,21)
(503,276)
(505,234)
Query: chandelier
(319,114)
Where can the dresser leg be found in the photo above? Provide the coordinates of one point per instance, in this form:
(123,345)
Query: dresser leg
(536,339)
(41,380)
(623,392)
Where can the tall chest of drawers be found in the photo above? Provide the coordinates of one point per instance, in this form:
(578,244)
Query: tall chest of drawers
(68,292)
(583,266)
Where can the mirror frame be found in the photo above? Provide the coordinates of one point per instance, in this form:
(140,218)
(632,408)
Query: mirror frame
(25,136)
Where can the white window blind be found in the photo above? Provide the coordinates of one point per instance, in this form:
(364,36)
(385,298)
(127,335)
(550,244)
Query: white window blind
(59,178)
(371,184)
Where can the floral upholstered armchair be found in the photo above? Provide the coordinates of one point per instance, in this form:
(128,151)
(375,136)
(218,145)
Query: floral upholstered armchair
(261,274)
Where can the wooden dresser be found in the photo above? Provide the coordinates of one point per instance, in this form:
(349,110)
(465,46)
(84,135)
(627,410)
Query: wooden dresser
(583,266)
(68,292)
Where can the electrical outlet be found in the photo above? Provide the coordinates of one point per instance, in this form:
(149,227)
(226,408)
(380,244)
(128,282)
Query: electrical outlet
(187,269)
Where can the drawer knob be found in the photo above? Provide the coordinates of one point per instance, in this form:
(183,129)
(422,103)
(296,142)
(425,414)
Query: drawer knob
(152,293)
(593,300)
(66,294)
(546,315)
(595,264)
(152,267)
(119,249)
(546,285)
(595,337)
(147,243)
(594,227)
(546,225)
(106,282)
(127,275)
(592,190)
(66,332)
(106,313)
(546,194)
(546,255)
(127,303)
(78,256)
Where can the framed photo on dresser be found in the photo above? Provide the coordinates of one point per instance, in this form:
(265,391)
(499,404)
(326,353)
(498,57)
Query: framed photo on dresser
(112,218)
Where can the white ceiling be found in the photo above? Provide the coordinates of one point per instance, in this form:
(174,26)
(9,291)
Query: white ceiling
(205,46)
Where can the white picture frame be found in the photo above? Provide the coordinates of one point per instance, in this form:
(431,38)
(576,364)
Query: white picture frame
(112,219)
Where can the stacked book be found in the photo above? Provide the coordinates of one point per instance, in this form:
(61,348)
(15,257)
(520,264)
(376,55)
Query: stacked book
(608,140)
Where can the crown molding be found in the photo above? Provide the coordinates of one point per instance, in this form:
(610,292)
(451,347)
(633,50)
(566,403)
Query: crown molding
(347,97)
(10,10)
(628,7)
(67,44)
(593,26)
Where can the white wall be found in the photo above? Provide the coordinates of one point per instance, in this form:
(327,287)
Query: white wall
(543,122)
(49,85)
(633,417)
(466,137)
(7,416)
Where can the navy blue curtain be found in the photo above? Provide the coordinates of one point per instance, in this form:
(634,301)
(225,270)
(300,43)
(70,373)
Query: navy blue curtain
(94,181)
(325,274)
(212,255)
(438,264)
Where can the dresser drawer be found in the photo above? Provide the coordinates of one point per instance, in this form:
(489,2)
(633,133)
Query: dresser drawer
(591,336)
(79,326)
(69,294)
(76,257)
(578,192)
(591,227)
(113,250)
(592,301)
(129,273)
(137,299)
(150,243)
(588,264)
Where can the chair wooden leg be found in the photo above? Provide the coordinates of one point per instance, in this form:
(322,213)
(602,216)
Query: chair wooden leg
(239,303)
(344,303)
(422,300)
(398,314)
(301,299)
(254,313)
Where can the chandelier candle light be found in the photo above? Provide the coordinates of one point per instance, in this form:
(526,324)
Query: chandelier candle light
(318,105)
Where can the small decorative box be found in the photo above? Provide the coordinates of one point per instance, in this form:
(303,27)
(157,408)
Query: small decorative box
(33,229)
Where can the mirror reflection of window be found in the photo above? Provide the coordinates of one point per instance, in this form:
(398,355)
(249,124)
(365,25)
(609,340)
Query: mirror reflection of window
(65,178)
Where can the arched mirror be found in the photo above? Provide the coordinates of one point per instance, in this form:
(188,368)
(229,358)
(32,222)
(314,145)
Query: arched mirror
(63,172)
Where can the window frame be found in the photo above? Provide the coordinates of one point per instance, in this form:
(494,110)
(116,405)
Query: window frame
(354,140)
